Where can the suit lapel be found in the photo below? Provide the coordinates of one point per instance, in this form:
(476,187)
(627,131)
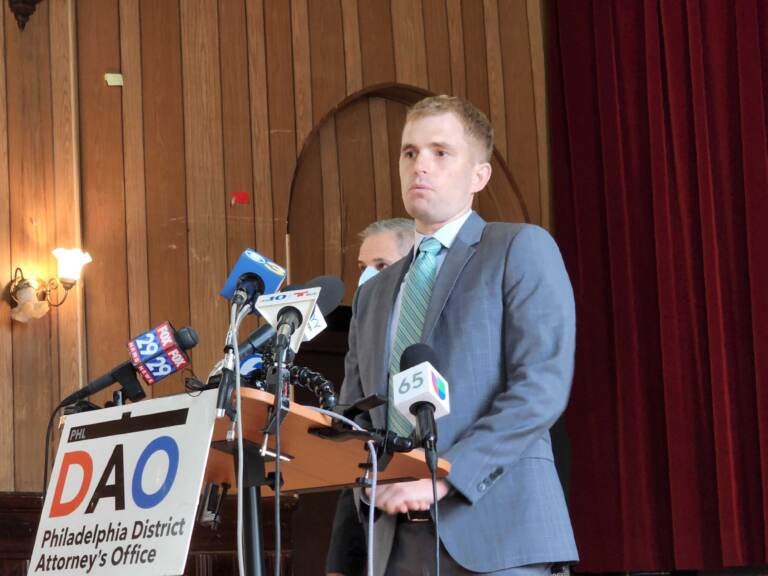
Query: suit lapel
(460,252)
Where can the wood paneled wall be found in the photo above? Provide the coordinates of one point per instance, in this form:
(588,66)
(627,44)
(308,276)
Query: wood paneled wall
(39,210)
(275,98)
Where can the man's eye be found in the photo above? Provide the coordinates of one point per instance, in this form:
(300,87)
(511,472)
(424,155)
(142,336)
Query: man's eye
(380,266)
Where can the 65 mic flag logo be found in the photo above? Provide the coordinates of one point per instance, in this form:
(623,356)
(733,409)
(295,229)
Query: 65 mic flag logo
(124,489)
(439,385)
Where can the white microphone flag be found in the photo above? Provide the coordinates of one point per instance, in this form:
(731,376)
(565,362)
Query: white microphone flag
(270,306)
(420,383)
(316,325)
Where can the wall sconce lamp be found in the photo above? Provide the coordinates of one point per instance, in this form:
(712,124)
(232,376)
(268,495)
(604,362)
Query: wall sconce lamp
(22,10)
(31,299)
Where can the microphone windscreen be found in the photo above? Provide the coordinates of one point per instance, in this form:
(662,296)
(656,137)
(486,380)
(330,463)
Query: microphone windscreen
(186,338)
(258,338)
(416,354)
(331,292)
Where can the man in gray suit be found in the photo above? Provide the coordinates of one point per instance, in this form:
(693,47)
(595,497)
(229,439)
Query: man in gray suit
(494,302)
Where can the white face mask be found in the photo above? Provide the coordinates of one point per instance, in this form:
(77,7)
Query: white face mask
(367,274)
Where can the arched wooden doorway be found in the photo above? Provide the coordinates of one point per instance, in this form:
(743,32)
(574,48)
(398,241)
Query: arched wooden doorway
(347,177)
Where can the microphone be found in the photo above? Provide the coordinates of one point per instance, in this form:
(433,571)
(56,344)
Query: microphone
(315,325)
(254,344)
(252,276)
(331,290)
(331,294)
(420,394)
(158,353)
(256,341)
(155,354)
(288,313)
(251,365)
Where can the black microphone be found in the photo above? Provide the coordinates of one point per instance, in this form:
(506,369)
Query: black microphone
(420,391)
(153,363)
(256,341)
(288,320)
(262,336)
(331,294)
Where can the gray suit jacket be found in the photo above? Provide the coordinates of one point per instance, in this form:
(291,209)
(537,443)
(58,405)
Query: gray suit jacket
(501,321)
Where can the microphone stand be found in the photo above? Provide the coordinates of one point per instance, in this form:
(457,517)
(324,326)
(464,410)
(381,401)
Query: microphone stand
(251,470)
(255,475)
(282,344)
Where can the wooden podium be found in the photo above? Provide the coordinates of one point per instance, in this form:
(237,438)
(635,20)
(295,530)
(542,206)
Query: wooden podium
(315,463)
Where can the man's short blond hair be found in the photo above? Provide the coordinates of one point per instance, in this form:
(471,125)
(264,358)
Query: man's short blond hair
(476,124)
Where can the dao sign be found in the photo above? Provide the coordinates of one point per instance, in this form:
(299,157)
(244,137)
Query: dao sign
(124,489)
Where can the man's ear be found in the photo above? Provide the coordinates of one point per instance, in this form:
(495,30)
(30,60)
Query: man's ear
(481,176)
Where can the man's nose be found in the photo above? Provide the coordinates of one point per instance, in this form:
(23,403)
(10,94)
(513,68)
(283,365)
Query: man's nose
(421,164)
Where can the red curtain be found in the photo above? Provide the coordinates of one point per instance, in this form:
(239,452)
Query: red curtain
(660,177)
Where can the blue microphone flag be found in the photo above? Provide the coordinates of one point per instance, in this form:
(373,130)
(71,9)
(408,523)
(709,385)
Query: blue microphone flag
(251,263)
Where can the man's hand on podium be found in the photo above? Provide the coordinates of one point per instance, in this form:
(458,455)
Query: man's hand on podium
(403,497)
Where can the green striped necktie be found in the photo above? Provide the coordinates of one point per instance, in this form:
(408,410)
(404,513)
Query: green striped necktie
(413,309)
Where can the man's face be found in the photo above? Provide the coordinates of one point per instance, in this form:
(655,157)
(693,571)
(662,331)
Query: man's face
(441,169)
(379,251)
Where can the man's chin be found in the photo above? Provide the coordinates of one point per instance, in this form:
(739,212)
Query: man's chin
(418,209)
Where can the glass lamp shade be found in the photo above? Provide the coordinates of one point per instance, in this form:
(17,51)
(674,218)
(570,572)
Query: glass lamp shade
(70,263)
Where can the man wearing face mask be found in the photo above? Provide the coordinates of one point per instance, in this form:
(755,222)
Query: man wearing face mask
(384,243)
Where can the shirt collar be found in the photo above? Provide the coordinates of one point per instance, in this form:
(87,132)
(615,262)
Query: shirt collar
(445,235)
